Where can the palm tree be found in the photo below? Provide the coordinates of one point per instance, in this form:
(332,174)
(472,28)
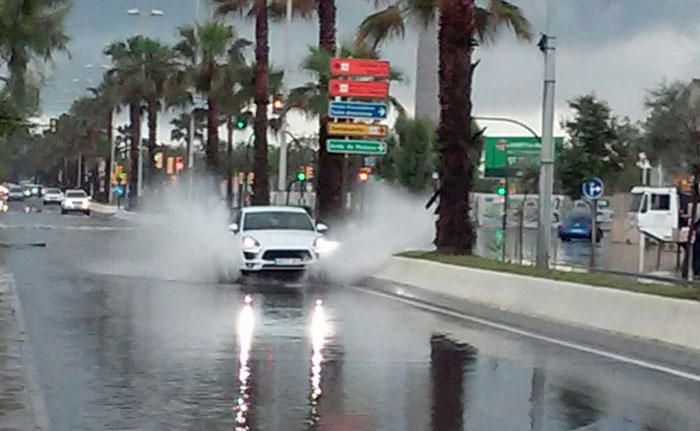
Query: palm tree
(330,166)
(259,10)
(129,76)
(159,67)
(180,130)
(461,23)
(30,30)
(204,52)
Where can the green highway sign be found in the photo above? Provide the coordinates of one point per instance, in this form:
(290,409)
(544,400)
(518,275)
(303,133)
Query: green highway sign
(519,150)
(356,146)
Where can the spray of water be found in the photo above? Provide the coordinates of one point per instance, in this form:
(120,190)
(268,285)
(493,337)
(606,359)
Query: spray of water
(391,221)
(184,236)
(180,236)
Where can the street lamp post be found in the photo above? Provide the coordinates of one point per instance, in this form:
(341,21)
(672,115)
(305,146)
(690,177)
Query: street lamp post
(544,232)
(282,168)
(136,12)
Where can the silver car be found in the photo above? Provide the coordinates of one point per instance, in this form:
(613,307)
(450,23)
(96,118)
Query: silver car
(53,196)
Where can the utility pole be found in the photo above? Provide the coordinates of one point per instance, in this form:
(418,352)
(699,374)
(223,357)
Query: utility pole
(544,231)
(282,168)
(112,161)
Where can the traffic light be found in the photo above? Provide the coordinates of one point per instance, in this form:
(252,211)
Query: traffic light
(179,164)
(158,159)
(53,125)
(278,104)
(501,190)
(301,176)
(241,123)
(364,174)
(309,171)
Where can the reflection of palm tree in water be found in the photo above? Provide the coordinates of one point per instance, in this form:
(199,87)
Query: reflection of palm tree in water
(579,405)
(448,362)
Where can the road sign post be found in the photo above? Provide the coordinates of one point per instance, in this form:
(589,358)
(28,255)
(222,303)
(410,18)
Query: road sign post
(593,189)
(357,129)
(356,146)
(369,89)
(357,110)
(360,67)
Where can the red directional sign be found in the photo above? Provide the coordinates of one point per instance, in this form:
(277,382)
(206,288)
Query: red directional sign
(360,67)
(344,88)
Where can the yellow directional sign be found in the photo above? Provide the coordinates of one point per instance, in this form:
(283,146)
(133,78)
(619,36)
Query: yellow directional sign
(352,129)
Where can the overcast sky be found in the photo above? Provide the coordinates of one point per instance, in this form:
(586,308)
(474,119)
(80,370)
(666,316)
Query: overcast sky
(615,48)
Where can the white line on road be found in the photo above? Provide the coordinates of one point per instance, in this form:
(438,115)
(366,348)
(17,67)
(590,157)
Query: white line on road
(580,347)
(66,227)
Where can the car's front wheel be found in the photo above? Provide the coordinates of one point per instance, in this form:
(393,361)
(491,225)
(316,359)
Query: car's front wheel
(64,212)
(87,213)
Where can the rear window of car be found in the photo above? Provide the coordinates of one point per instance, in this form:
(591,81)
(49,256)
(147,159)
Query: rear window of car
(15,189)
(53,191)
(76,194)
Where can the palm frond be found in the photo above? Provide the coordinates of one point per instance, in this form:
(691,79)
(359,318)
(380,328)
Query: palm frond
(381,26)
(500,14)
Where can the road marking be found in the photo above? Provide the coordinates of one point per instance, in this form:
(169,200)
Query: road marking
(55,227)
(415,302)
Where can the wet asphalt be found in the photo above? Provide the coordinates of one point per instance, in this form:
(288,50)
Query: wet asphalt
(117,351)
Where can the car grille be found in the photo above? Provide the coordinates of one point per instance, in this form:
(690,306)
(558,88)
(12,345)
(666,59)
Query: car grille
(287,254)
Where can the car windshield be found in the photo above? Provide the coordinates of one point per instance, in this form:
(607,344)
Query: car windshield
(277,220)
(76,194)
(579,220)
(15,190)
(636,202)
(53,191)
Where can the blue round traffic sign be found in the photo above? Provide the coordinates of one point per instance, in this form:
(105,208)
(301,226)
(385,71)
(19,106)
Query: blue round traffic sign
(119,190)
(593,188)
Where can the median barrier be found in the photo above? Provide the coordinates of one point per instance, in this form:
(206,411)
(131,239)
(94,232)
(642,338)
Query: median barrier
(649,317)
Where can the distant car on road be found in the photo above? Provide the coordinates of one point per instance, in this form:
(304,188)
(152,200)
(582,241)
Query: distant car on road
(16,193)
(579,227)
(75,200)
(53,196)
(278,238)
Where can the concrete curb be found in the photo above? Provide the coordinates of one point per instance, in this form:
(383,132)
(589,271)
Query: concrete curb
(640,316)
(37,404)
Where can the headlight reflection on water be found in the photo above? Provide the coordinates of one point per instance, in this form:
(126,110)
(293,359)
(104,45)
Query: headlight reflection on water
(244,332)
(319,331)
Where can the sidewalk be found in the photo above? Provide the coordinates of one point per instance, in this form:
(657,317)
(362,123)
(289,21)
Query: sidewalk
(21,404)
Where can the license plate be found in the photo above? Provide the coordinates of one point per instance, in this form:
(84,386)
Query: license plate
(287,262)
(576,230)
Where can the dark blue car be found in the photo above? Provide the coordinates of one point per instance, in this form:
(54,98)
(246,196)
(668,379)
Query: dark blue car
(578,227)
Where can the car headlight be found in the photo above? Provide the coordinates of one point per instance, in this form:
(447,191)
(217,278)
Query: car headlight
(250,244)
(324,246)
(85,204)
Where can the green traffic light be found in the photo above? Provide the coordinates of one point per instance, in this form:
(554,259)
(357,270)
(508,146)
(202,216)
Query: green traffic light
(501,191)
(301,176)
(240,124)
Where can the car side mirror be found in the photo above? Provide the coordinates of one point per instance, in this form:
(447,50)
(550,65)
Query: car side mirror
(320,227)
(233,227)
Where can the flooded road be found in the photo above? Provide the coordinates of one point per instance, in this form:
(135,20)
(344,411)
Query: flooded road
(126,352)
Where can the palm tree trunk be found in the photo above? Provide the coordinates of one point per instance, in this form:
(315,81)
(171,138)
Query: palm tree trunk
(212,148)
(330,175)
(152,138)
(135,131)
(454,233)
(229,164)
(261,188)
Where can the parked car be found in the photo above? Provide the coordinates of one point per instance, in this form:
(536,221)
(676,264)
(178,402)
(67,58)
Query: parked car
(281,239)
(53,196)
(16,193)
(579,227)
(75,200)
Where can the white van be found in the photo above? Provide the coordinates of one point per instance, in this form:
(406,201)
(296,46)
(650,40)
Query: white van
(658,211)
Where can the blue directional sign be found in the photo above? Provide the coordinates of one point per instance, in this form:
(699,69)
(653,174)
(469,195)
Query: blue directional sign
(119,190)
(370,111)
(593,188)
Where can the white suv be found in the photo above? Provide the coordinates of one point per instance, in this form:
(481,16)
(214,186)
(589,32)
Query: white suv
(279,239)
(75,200)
